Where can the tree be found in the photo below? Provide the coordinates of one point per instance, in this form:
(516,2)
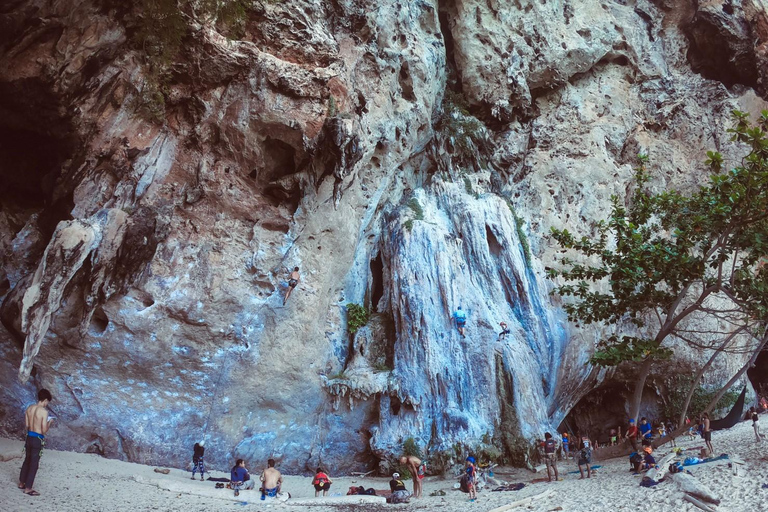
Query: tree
(664,264)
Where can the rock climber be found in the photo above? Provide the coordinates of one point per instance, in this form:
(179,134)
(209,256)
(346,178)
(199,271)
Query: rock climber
(504,331)
(321,482)
(461,320)
(293,280)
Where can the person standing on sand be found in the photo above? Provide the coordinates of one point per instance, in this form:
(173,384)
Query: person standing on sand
(413,463)
(566,449)
(271,480)
(632,434)
(707,433)
(198,462)
(550,456)
(37,423)
(471,472)
(754,417)
(585,458)
(293,280)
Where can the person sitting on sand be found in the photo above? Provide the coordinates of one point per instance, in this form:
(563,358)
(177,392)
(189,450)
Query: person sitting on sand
(648,460)
(322,482)
(271,480)
(585,458)
(399,493)
(240,477)
(198,464)
(413,463)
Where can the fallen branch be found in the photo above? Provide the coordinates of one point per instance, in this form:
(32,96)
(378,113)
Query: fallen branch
(698,503)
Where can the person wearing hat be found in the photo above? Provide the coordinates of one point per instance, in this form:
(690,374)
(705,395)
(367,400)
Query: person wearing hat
(471,478)
(648,460)
(632,433)
(399,493)
(198,453)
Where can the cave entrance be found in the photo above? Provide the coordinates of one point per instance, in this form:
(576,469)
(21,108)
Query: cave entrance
(758,374)
(598,412)
(377,284)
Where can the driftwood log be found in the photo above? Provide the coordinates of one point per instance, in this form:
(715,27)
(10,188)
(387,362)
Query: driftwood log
(523,501)
(694,488)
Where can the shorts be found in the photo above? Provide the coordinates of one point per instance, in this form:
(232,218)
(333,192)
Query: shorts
(613,439)
(322,487)
(707,435)
(292,283)
(585,460)
(551,460)
(461,323)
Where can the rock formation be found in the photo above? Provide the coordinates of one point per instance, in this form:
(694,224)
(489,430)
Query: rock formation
(165,164)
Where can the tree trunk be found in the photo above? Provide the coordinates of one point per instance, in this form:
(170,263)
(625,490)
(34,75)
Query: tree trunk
(699,374)
(637,396)
(738,375)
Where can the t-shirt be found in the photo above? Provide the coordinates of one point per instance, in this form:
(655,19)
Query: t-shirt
(320,478)
(645,429)
(565,441)
(239,474)
(632,431)
(649,459)
(396,485)
(754,416)
(460,315)
(550,445)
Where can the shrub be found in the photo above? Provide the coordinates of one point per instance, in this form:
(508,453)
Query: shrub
(411,447)
(357,317)
(519,223)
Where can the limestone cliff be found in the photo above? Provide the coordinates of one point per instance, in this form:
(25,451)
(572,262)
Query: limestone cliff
(166,164)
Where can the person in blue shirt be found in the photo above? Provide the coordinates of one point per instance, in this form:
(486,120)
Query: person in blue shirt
(461,320)
(240,477)
(645,428)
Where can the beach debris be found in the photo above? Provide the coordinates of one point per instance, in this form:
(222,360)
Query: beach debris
(438,492)
(655,474)
(164,471)
(523,501)
(338,500)
(692,487)
(697,503)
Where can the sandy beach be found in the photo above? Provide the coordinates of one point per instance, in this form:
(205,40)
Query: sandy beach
(89,483)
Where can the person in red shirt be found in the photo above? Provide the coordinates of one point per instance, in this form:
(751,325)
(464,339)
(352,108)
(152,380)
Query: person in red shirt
(322,482)
(632,434)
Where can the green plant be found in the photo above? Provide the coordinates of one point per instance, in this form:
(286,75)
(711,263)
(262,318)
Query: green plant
(411,447)
(466,137)
(662,259)
(357,317)
(521,236)
(382,367)
(418,213)
(332,109)
(677,389)
(338,376)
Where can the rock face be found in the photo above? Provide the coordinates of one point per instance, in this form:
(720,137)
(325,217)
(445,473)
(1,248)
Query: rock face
(152,210)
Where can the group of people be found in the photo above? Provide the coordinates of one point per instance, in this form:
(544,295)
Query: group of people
(549,448)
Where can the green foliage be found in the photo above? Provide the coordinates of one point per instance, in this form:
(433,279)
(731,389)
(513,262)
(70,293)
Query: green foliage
(381,367)
(661,257)
(338,376)
(332,108)
(519,223)
(678,391)
(411,447)
(357,316)
(418,213)
(466,136)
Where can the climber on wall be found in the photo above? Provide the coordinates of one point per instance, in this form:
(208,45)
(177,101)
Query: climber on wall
(461,320)
(504,331)
(293,280)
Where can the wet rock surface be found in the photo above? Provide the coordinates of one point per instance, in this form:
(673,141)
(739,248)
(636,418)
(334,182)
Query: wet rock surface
(146,234)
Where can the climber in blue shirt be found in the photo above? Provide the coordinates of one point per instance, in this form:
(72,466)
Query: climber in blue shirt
(461,320)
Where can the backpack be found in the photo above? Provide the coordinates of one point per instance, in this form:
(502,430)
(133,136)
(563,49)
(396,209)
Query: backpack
(422,470)
(464,483)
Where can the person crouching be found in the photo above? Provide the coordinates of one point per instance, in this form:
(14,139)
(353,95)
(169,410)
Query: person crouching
(322,482)
(240,477)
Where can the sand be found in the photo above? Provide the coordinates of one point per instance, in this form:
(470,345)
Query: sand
(82,483)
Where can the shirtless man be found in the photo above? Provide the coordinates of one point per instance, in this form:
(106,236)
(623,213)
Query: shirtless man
(707,433)
(37,422)
(413,463)
(293,280)
(271,480)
